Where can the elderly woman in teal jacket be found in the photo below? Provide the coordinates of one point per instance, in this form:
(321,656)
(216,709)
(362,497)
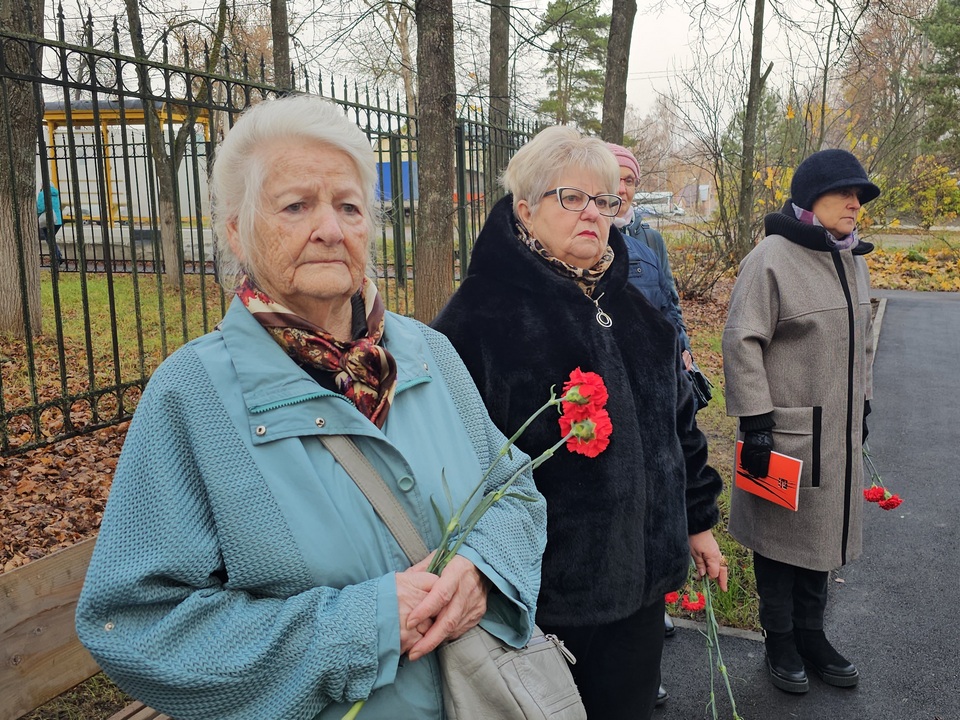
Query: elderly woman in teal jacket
(239,571)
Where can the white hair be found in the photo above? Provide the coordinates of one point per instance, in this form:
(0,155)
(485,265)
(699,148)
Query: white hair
(553,151)
(240,166)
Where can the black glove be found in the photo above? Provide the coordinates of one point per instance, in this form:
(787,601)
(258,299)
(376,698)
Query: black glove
(755,453)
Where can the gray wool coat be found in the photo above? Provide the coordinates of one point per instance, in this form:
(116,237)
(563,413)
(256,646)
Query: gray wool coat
(798,344)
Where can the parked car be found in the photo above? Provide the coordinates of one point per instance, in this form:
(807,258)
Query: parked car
(646,211)
(658,210)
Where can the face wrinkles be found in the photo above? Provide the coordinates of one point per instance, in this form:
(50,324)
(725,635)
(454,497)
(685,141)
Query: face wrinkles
(577,238)
(310,239)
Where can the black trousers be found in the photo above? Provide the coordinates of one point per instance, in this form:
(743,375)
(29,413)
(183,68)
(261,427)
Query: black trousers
(618,664)
(790,596)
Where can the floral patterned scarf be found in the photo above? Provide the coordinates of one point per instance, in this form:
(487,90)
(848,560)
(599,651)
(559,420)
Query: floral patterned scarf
(586,279)
(363,370)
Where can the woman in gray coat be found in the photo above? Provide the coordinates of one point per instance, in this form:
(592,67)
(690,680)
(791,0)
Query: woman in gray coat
(797,356)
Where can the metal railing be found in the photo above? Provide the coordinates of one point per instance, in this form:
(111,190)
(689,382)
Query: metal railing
(123,296)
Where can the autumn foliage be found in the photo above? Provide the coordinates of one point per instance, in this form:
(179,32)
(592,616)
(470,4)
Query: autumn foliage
(53,497)
(914,269)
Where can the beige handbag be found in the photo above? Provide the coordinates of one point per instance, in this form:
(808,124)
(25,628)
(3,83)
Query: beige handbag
(483,677)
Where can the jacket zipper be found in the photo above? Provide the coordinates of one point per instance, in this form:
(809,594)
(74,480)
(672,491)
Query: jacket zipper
(325,393)
(848,463)
(293,401)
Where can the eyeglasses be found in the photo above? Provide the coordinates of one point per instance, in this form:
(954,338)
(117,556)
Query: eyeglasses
(630,181)
(576,200)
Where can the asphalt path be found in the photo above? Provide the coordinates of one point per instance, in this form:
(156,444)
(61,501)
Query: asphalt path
(895,611)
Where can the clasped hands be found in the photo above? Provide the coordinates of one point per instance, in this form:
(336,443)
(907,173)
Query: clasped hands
(434,609)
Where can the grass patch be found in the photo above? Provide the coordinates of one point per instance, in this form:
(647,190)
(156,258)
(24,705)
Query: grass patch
(96,699)
(99,331)
(738,607)
(133,322)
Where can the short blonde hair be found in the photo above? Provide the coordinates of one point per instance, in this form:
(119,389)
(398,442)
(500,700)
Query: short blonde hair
(554,150)
(240,166)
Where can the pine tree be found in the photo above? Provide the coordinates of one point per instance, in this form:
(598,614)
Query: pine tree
(575,69)
(941,81)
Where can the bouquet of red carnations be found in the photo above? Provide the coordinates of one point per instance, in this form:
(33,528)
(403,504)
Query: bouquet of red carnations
(585,428)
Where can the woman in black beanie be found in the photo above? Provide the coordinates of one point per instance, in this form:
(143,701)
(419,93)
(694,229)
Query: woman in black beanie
(797,356)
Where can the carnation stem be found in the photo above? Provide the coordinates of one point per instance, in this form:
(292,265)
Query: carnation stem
(444,554)
(354,710)
(713,643)
(871,468)
(453,525)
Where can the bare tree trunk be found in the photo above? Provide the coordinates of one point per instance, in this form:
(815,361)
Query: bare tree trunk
(826,79)
(499,91)
(166,163)
(400,21)
(281,44)
(744,240)
(433,252)
(407,67)
(618,58)
(19,238)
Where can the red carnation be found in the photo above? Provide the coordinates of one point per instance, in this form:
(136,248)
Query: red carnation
(874,494)
(693,605)
(891,502)
(671,598)
(583,392)
(589,436)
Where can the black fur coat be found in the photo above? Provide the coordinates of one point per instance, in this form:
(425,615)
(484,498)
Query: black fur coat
(617,524)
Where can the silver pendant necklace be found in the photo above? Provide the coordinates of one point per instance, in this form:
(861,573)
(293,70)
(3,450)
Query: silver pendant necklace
(603,319)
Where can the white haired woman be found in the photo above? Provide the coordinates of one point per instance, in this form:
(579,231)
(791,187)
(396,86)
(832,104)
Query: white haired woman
(547,291)
(239,571)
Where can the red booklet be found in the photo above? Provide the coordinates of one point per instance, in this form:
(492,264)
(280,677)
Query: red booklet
(781,484)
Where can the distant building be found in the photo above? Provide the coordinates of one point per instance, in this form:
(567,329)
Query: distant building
(107,145)
(697,199)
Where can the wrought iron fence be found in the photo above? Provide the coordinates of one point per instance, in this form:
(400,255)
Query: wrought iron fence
(125,279)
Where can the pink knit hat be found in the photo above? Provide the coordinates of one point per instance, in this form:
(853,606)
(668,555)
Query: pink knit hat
(625,158)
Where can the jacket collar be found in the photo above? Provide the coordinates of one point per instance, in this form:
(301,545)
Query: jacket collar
(269,377)
(499,254)
(811,237)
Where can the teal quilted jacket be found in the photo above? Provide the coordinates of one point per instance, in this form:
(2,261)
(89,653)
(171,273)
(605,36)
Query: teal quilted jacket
(240,573)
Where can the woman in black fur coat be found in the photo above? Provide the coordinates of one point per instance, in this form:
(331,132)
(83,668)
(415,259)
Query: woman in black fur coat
(547,292)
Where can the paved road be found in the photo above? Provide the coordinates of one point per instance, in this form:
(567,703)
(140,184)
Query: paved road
(897,612)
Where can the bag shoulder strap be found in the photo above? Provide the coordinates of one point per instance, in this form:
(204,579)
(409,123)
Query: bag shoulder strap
(346,452)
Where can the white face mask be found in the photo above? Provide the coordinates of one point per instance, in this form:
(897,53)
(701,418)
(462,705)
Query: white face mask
(626,219)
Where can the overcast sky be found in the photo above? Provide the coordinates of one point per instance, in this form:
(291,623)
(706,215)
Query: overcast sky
(658,50)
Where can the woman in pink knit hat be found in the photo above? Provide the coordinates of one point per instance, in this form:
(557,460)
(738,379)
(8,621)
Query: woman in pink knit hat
(640,235)
(650,274)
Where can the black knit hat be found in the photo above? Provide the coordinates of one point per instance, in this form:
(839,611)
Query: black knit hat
(829,170)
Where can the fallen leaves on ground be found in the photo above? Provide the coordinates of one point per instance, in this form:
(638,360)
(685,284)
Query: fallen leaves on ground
(912,269)
(53,497)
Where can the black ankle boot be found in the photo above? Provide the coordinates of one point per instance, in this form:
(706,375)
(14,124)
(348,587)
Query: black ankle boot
(819,655)
(784,664)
